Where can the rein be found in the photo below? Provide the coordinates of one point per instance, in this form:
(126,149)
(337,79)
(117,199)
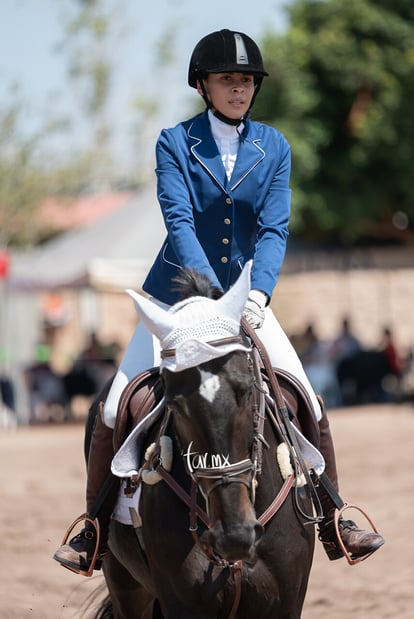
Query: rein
(282,422)
(197,512)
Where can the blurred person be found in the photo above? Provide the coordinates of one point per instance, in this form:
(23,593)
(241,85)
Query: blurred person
(315,356)
(346,344)
(46,389)
(389,349)
(7,393)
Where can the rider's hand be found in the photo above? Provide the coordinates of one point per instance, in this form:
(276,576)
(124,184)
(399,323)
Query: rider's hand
(254,310)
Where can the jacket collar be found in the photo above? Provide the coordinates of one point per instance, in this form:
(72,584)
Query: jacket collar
(204,148)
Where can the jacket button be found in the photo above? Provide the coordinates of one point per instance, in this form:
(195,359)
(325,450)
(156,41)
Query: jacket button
(225,241)
(228,200)
(227,221)
(224,260)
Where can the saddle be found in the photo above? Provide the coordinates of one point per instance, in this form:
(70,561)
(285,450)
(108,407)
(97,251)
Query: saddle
(140,397)
(144,392)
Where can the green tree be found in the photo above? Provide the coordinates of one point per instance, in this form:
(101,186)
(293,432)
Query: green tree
(30,167)
(341,88)
(31,170)
(34,165)
(22,180)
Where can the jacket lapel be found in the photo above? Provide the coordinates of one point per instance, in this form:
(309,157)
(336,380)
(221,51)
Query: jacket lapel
(204,149)
(249,155)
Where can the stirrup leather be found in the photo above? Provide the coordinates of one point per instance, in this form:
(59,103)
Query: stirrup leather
(95,523)
(337,516)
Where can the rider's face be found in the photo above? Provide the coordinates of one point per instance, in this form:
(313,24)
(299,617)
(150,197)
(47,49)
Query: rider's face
(229,93)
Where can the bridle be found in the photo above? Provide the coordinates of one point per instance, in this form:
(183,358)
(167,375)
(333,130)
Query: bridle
(243,472)
(224,476)
(231,473)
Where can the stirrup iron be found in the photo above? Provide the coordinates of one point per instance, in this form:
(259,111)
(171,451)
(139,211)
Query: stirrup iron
(95,524)
(337,516)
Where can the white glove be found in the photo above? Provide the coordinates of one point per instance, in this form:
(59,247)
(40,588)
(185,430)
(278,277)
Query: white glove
(254,310)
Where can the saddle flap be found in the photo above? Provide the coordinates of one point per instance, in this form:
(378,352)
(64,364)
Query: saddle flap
(140,406)
(303,418)
(139,397)
(299,405)
(128,458)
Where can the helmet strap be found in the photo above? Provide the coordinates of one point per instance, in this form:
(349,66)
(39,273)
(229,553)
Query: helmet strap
(235,122)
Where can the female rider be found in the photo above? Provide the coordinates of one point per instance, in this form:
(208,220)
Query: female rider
(223,188)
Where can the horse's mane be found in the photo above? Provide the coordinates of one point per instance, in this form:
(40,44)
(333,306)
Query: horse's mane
(192,283)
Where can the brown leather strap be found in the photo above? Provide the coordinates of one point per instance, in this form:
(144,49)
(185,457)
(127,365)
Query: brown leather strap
(278,501)
(182,494)
(138,398)
(222,341)
(236,570)
(282,416)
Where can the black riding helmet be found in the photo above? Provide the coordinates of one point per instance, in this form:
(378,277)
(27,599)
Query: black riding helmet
(226,51)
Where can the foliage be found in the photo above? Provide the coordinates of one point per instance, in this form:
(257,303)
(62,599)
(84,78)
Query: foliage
(22,181)
(29,172)
(30,168)
(341,87)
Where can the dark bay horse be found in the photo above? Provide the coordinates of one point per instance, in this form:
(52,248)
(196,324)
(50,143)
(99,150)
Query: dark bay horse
(226,532)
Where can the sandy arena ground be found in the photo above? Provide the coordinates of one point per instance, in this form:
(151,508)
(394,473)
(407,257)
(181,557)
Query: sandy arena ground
(42,488)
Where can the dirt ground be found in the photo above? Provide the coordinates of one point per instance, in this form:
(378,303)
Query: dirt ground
(42,488)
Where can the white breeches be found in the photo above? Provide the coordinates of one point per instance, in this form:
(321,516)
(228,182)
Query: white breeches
(282,355)
(143,352)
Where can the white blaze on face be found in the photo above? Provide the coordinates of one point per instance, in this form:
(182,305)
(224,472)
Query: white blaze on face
(210,384)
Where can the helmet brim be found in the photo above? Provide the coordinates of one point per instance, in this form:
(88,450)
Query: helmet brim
(202,74)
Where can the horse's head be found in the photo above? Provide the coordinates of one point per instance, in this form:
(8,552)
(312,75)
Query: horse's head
(209,384)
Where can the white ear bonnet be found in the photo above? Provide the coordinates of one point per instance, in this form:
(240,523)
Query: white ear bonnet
(188,326)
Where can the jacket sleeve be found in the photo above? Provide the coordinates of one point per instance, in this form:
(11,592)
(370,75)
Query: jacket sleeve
(177,209)
(272,223)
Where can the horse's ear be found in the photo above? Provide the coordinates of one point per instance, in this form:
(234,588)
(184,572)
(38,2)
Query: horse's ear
(234,300)
(157,320)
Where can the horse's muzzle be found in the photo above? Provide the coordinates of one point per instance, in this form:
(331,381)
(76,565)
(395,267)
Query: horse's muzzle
(238,543)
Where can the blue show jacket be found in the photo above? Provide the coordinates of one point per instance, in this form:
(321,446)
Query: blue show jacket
(213,224)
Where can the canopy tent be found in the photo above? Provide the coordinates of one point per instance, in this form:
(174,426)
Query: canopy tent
(111,254)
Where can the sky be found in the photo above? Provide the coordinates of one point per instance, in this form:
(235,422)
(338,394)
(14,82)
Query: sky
(33,56)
